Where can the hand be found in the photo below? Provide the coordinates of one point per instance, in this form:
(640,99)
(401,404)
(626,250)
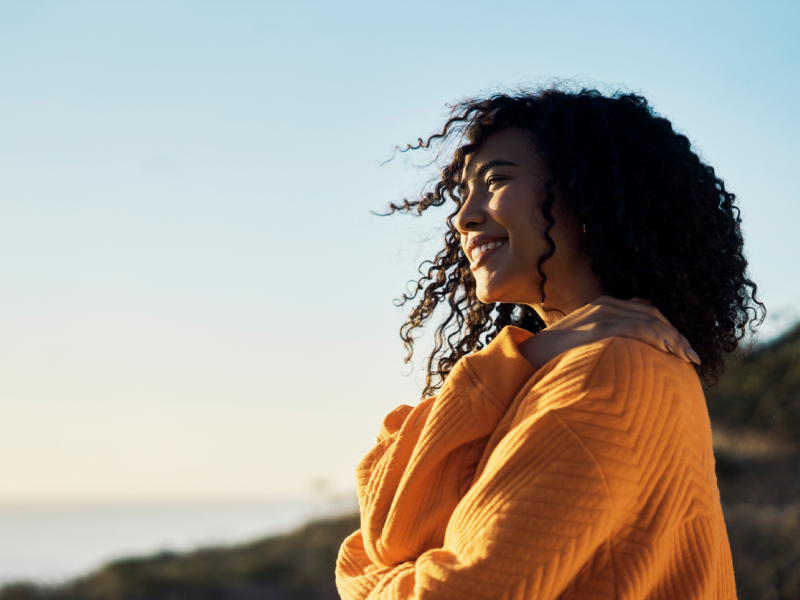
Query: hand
(608,317)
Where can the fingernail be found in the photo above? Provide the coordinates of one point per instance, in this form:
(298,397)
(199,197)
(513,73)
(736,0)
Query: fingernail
(693,355)
(669,347)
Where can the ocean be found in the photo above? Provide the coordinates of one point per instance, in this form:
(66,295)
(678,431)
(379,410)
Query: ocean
(51,544)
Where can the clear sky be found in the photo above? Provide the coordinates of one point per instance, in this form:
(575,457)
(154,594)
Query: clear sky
(196,302)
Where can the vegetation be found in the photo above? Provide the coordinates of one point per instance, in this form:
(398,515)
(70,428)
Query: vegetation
(297,565)
(765,541)
(762,390)
(756,415)
(755,410)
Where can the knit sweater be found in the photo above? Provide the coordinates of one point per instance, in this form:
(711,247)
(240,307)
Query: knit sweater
(591,477)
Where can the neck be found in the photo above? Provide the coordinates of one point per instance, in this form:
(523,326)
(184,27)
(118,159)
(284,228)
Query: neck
(557,307)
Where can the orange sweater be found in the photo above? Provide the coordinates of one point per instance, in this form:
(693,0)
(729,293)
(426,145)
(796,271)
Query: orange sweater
(592,477)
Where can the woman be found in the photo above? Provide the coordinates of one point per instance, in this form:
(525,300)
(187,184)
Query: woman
(593,271)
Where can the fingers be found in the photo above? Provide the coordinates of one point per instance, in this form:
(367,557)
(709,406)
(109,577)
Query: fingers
(654,332)
(635,318)
(677,342)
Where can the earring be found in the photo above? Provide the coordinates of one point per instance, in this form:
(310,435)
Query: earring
(584,228)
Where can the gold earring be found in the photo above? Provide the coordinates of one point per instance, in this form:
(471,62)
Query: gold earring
(584,228)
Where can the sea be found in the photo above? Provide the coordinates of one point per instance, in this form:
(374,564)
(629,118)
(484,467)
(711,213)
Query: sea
(52,544)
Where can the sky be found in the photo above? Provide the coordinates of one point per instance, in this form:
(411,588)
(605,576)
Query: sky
(197,302)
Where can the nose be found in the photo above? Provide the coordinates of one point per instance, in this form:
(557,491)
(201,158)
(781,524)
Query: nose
(470,215)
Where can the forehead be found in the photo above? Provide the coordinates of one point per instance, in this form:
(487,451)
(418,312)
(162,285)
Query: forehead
(512,145)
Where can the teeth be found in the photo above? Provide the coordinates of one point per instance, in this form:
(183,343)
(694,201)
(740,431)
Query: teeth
(478,250)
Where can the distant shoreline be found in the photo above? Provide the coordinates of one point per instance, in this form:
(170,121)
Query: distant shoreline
(53,543)
(297,564)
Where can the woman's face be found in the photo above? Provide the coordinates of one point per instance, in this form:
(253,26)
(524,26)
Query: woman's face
(502,229)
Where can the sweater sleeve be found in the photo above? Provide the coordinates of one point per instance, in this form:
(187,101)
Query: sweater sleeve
(426,457)
(535,516)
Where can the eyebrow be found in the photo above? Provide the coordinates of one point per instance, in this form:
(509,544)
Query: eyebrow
(482,170)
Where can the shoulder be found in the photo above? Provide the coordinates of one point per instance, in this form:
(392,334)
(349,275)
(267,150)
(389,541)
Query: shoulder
(625,360)
(617,360)
(622,400)
(614,368)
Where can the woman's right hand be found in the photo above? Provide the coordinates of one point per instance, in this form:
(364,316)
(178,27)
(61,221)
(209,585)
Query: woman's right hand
(607,317)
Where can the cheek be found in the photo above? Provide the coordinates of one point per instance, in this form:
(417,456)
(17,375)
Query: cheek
(529,243)
(522,215)
(567,236)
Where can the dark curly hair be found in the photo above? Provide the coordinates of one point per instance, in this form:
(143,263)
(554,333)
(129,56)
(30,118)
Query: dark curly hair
(659,223)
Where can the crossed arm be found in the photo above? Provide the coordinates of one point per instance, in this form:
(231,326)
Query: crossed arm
(439,523)
(527,527)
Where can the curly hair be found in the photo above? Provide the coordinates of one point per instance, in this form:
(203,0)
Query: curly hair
(660,224)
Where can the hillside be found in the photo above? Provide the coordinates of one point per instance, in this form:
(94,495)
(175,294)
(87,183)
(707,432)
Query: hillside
(297,565)
(755,412)
(762,391)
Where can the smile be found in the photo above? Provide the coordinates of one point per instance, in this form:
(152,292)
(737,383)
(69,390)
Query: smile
(477,251)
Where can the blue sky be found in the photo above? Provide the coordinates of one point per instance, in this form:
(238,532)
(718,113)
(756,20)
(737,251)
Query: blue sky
(197,302)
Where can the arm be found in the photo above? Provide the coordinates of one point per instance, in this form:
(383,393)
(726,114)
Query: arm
(594,453)
(530,523)
(409,452)
(426,457)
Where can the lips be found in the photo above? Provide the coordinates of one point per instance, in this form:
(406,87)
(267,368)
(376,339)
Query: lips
(477,251)
(481,248)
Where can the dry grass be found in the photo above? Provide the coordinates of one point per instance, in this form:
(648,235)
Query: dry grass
(765,543)
(747,443)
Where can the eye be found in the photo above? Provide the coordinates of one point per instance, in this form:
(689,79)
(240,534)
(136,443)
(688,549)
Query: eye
(494,181)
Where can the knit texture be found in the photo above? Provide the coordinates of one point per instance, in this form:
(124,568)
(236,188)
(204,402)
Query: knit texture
(592,477)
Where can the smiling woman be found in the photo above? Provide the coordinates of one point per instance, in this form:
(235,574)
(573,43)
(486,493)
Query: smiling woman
(501,229)
(593,271)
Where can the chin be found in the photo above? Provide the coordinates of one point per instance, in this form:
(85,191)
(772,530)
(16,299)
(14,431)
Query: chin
(507,287)
(487,295)
(492,294)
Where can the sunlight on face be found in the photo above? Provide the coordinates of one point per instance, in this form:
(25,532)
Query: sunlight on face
(502,228)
